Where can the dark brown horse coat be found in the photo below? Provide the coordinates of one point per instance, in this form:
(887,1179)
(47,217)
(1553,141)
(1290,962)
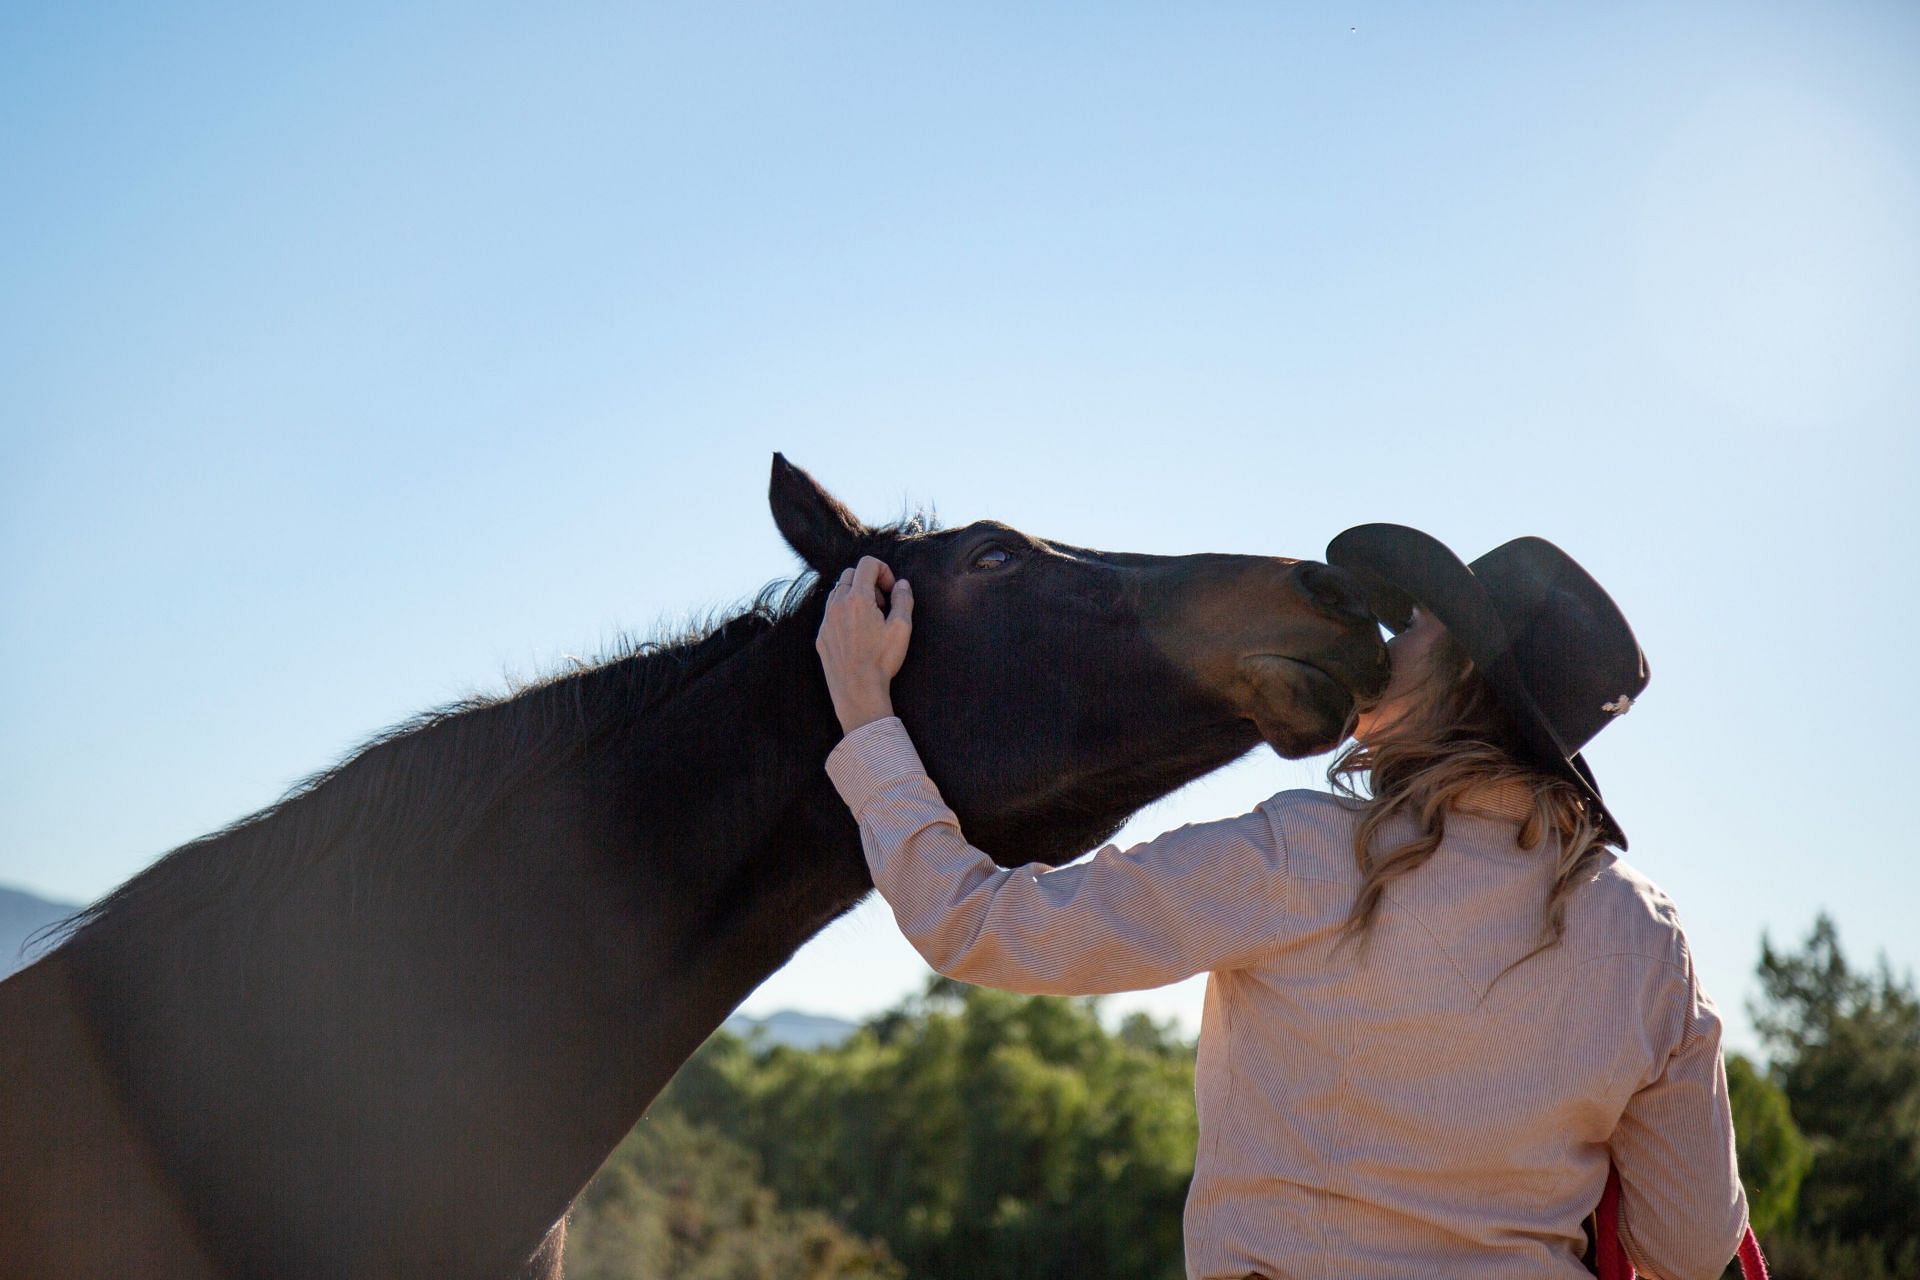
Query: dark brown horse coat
(392,1025)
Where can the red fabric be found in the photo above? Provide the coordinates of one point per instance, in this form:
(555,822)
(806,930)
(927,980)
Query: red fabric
(1753,1265)
(1613,1254)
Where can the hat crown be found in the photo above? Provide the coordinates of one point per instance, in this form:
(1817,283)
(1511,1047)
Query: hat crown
(1570,644)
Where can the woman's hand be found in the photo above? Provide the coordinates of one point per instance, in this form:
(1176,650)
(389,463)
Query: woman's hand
(862,648)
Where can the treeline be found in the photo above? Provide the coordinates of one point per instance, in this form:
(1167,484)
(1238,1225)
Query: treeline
(1829,1134)
(974,1133)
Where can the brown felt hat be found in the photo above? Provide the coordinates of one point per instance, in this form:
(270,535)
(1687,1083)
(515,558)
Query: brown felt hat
(1555,649)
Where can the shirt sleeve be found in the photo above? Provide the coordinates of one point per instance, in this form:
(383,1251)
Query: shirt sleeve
(1199,898)
(1682,1208)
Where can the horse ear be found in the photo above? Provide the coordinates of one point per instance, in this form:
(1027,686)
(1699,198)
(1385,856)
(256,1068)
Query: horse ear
(814,522)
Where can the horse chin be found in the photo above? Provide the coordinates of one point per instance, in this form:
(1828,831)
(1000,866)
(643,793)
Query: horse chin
(1299,709)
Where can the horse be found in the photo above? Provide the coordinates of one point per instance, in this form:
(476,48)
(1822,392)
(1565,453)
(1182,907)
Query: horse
(392,1024)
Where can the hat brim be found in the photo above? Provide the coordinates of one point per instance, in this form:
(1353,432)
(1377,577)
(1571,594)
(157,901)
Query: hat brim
(1395,563)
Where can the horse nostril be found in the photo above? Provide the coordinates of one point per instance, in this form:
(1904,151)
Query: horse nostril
(1333,590)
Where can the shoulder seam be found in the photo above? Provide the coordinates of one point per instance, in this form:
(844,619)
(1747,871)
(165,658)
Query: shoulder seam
(1288,897)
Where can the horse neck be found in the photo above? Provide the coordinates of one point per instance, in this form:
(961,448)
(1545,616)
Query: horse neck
(443,1046)
(743,850)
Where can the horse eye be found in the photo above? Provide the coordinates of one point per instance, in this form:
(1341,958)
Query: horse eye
(993,558)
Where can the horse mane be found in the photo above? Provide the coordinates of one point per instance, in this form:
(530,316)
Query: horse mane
(427,781)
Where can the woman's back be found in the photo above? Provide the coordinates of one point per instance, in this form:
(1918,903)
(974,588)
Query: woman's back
(1440,1100)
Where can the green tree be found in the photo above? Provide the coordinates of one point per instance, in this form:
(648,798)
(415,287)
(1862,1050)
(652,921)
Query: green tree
(977,1132)
(1846,1053)
(682,1202)
(1774,1155)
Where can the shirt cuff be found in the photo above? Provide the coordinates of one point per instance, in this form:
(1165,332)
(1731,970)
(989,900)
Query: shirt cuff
(871,759)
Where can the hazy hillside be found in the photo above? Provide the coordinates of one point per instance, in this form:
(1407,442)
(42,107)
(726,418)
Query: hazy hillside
(796,1030)
(21,916)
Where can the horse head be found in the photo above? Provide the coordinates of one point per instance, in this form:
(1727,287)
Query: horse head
(1053,689)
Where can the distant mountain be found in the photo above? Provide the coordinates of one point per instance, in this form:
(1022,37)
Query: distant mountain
(796,1030)
(21,916)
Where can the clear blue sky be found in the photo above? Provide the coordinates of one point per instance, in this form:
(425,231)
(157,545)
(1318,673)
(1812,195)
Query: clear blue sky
(354,361)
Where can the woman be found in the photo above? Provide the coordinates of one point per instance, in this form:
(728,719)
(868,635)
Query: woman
(1437,1008)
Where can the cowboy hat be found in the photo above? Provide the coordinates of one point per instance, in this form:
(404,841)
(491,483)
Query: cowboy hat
(1552,645)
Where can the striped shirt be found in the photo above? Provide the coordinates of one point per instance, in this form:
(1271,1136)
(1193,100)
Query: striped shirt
(1413,1108)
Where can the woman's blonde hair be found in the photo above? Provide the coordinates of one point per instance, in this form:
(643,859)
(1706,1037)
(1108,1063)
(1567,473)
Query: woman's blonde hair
(1456,741)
